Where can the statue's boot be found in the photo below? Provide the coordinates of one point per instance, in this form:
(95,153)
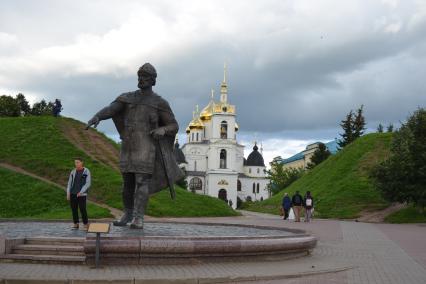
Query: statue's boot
(126,218)
(140,203)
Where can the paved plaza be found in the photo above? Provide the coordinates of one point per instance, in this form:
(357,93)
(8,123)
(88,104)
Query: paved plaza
(347,252)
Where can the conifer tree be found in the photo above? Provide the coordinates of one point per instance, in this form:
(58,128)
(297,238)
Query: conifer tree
(380,128)
(359,123)
(320,155)
(348,130)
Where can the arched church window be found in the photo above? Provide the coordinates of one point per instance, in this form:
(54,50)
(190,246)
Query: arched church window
(238,185)
(195,165)
(224,130)
(222,163)
(195,184)
(254,187)
(249,170)
(258,170)
(197,136)
(257,189)
(192,137)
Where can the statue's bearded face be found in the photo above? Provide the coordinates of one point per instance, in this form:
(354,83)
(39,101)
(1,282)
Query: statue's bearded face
(145,80)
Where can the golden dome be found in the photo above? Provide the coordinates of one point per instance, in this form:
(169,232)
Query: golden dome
(196,122)
(207,112)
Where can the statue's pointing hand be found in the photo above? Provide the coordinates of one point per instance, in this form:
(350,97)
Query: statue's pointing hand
(158,132)
(94,121)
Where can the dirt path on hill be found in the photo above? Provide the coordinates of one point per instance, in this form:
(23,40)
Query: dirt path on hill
(92,143)
(114,212)
(379,216)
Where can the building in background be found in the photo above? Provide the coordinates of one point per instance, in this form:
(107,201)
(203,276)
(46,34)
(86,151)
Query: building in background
(214,160)
(302,159)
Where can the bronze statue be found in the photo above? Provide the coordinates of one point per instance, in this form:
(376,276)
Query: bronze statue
(147,128)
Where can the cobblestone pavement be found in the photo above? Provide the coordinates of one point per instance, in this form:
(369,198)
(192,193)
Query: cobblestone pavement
(351,252)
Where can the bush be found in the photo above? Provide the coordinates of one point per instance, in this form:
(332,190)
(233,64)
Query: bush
(402,177)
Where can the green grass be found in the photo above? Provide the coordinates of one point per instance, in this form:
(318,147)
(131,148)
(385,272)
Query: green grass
(340,185)
(187,204)
(407,215)
(37,144)
(26,197)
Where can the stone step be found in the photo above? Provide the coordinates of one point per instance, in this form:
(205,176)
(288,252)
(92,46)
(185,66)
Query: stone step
(65,241)
(70,259)
(49,249)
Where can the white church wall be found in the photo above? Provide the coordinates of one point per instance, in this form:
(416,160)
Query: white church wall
(216,124)
(196,157)
(255,171)
(247,189)
(203,189)
(227,182)
(214,156)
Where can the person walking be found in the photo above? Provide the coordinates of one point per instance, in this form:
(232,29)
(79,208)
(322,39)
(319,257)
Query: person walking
(79,183)
(286,205)
(297,202)
(309,205)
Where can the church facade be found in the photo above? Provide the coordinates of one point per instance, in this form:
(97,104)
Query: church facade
(214,160)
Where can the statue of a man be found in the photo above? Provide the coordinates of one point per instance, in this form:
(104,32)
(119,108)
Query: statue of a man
(143,120)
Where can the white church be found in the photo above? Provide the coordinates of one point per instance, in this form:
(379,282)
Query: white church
(214,160)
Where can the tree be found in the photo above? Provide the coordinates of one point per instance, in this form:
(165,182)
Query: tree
(347,126)
(9,106)
(24,106)
(402,177)
(280,177)
(359,123)
(389,128)
(320,154)
(380,128)
(42,108)
(353,127)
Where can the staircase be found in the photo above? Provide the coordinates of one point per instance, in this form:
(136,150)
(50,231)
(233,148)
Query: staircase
(48,250)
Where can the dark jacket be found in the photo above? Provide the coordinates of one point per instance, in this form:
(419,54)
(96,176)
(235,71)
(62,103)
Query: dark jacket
(297,201)
(86,181)
(286,203)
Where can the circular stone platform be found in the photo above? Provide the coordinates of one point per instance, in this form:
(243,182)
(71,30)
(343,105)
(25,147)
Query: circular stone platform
(62,229)
(165,242)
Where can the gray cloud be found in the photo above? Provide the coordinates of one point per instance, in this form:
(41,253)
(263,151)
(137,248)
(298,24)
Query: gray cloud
(295,68)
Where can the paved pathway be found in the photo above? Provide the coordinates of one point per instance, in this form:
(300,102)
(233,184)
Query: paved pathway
(374,253)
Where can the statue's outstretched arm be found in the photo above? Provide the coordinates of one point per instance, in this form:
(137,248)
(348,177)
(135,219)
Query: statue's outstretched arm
(105,113)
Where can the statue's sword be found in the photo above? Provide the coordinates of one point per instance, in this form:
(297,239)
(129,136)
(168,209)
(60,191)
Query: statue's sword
(163,161)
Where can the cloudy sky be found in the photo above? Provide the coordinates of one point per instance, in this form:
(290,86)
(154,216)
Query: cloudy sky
(295,68)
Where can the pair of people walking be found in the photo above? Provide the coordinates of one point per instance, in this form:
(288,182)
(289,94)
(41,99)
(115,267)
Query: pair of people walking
(79,183)
(297,202)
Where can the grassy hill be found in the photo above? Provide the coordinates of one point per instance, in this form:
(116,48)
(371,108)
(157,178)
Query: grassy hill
(340,185)
(46,146)
(25,197)
(407,215)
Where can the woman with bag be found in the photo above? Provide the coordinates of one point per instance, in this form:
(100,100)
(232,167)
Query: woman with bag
(309,205)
